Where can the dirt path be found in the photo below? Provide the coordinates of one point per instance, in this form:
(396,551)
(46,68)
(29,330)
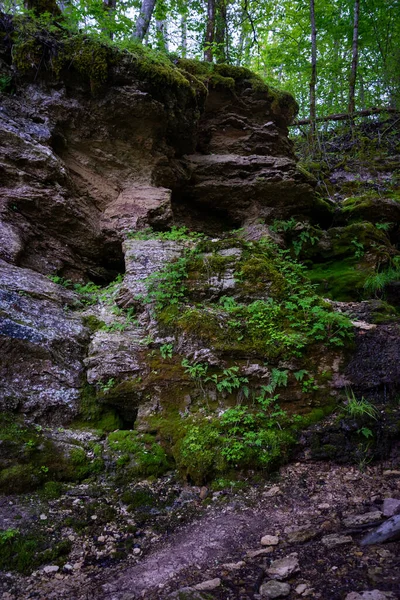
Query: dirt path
(213,540)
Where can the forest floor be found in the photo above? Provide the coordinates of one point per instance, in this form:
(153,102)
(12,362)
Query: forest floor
(312,510)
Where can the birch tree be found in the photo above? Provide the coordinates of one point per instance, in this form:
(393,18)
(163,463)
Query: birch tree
(143,20)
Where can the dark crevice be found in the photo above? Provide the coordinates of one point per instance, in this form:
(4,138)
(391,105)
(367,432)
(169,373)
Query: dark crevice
(200,217)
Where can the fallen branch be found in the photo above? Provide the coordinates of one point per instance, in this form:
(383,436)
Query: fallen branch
(344,116)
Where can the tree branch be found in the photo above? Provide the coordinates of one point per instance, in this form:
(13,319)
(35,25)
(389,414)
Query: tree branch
(345,116)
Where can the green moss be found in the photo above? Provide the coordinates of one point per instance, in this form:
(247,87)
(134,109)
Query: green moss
(258,274)
(26,552)
(140,453)
(93,323)
(341,280)
(93,414)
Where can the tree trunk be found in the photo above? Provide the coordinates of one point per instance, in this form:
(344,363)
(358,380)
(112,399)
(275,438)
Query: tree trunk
(184,36)
(345,116)
(354,63)
(143,20)
(221,32)
(210,30)
(313,79)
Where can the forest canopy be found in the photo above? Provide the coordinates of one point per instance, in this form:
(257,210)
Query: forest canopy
(334,56)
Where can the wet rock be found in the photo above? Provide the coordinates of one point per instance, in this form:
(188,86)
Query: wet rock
(274,589)
(284,567)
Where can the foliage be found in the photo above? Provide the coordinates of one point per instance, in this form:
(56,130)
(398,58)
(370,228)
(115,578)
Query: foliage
(25,552)
(139,454)
(176,234)
(359,407)
(167,286)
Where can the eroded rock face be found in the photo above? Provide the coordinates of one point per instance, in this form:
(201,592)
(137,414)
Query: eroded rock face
(43,344)
(80,170)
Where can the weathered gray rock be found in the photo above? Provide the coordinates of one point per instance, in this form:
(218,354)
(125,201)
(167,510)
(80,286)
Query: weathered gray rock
(299,534)
(391,507)
(372,595)
(269,540)
(284,567)
(43,345)
(336,539)
(274,589)
(210,584)
(389,530)
(355,520)
(144,258)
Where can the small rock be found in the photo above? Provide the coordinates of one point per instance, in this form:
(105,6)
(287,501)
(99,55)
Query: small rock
(93,517)
(101,539)
(273,491)
(324,506)
(355,520)
(391,507)
(284,567)
(203,493)
(373,595)
(255,553)
(269,540)
(300,534)
(68,567)
(234,566)
(136,551)
(335,539)
(274,589)
(301,588)
(211,584)
(43,517)
(391,473)
(51,569)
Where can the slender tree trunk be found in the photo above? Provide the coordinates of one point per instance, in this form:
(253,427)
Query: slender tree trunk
(143,20)
(313,79)
(184,36)
(354,62)
(210,31)
(221,32)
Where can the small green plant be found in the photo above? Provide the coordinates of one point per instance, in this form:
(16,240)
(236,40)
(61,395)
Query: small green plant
(384,226)
(5,83)
(7,535)
(229,380)
(196,370)
(356,408)
(107,386)
(366,432)
(280,226)
(177,234)
(359,249)
(166,350)
(167,287)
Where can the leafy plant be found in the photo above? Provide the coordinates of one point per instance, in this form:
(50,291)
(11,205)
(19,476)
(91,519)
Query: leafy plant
(359,248)
(166,350)
(167,287)
(177,234)
(107,386)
